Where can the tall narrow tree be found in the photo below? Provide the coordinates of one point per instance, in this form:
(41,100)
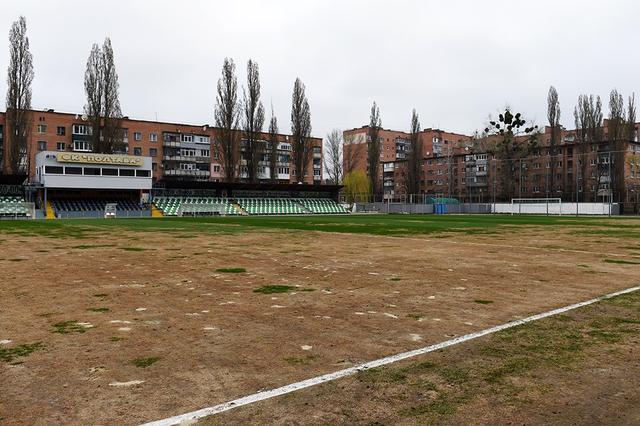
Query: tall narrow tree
(112,133)
(374,148)
(94,89)
(333,163)
(19,79)
(253,122)
(102,109)
(273,146)
(616,133)
(300,130)
(553,115)
(414,156)
(226,119)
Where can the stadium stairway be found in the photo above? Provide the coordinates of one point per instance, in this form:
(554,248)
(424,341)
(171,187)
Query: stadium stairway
(51,214)
(239,209)
(156,212)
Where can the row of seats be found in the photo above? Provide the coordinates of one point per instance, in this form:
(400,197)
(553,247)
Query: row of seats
(170,206)
(322,205)
(13,206)
(87,205)
(270,206)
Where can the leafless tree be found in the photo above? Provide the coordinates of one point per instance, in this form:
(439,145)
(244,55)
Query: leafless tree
(273,146)
(94,89)
(333,163)
(226,119)
(508,150)
(588,121)
(112,133)
(351,154)
(253,122)
(553,115)
(300,130)
(103,105)
(374,147)
(414,156)
(19,79)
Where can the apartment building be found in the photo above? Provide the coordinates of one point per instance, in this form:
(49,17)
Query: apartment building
(459,166)
(177,151)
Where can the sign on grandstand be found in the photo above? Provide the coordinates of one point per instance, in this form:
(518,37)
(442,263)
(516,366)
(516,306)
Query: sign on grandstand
(536,206)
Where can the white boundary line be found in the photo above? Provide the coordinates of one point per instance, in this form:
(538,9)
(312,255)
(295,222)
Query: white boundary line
(272,393)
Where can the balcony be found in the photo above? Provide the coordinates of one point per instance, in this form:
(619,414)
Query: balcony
(401,156)
(388,167)
(188,173)
(186,159)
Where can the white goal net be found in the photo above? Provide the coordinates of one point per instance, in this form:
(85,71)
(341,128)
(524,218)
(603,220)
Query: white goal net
(196,209)
(536,206)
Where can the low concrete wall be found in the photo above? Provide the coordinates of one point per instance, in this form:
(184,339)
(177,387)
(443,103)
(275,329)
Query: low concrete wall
(488,208)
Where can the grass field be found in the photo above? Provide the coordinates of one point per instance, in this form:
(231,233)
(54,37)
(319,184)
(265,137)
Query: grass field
(132,320)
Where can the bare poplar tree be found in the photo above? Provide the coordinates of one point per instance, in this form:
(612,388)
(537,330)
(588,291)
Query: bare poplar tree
(588,120)
(253,121)
(94,89)
(226,119)
(273,146)
(414,156)
(112,133)
(553,115)
(617,144)
(300,129)
(19,78)
(103,104)
(333,163)
(374,147)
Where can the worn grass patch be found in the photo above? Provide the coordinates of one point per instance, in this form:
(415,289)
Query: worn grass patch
(144,362)
(299,360)
(271,289)
(68,327)
(9,354)
(231,270)
(621,262)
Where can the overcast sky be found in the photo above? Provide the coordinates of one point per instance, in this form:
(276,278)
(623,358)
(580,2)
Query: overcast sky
(454,61)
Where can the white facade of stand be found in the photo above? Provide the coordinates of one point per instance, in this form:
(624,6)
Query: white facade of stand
(52,172)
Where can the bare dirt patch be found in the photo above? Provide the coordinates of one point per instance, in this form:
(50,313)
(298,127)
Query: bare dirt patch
(348,299)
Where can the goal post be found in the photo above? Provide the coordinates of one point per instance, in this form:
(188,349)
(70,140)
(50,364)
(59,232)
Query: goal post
(197,209)
(536,206)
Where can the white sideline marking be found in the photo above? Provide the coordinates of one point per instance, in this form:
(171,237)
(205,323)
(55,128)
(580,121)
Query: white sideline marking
(261,396)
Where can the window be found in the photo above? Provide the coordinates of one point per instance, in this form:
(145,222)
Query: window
(204,152)
(137,136)
(53,170)
(186,138)
(42,145)
(188,152)
(216,168)
(154,166)
(187,166)
(153,137)
(91,171)
(153,152)
(137,151)
(41,128)
(61,146)
(143,173)
(81,146)
(61,130)
(81,129)
(73,170)
(109,172)
(127,172)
